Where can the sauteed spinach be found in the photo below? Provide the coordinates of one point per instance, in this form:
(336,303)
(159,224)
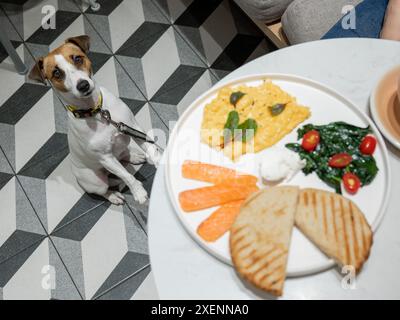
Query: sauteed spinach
(336,137)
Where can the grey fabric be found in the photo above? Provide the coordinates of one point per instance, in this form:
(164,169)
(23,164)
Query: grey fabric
(265,10)
(309,20)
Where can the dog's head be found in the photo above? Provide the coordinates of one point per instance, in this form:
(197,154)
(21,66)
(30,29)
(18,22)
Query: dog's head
(67,68)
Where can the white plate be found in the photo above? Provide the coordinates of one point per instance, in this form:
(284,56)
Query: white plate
(326,106)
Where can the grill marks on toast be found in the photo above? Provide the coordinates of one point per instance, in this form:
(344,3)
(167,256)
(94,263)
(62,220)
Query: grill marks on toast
(355,240)
(260,237)
(346,242)
(332,204)
(344,234)
(324,216)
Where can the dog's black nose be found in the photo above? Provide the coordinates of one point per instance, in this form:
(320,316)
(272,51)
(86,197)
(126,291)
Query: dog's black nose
(83,86)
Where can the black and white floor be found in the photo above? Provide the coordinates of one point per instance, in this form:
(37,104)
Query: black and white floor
(56,242)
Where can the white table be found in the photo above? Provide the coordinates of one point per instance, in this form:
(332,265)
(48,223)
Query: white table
(183,270)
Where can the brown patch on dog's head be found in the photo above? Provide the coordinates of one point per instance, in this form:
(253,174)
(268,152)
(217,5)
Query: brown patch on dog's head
(74,50)
(83,42)
(36,71)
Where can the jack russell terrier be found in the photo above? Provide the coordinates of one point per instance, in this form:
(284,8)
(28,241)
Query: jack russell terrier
(96,147)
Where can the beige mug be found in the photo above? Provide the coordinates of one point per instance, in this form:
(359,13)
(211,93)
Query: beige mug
(398,89)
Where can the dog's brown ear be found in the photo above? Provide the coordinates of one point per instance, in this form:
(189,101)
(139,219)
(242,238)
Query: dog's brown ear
(37,71)
(82,42)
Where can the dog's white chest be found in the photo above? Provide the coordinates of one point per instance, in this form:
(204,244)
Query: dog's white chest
(93,136)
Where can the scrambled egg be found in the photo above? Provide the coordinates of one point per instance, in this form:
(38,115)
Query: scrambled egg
(254,104)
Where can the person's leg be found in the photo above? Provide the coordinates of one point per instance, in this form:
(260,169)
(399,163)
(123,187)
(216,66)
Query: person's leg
(391,26)
(369,18)
(308,20)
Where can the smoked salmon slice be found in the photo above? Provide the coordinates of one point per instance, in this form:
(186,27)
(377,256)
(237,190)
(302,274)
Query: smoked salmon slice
(211,173)
(219,222)
(216,195)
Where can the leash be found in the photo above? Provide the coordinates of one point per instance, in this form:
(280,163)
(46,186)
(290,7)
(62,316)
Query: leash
(124,128)
(105,114)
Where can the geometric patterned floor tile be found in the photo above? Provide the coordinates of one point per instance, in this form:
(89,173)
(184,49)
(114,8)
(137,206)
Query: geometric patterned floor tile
(178,84)
(21,102)
(87,203)
(197,13)
(5,169)
(3,52)
(77,227)
(147,290)
(54,196)
(18,241)
(152,69)
(20,227)
(10,81)
(36,273)
(14,13)
(145,175)
(127,289)
(151,123)
(109,246)
(34,129)
(158,56)
(139,44)
(205,82)
(14,262)
(4,178)
(133,104)
(218,31)
(47,158)
(169,101)
(27,16)
(132,261)
(115,78)
(236,52)
(142,39)
(121,18)
(47,36)
(140,211)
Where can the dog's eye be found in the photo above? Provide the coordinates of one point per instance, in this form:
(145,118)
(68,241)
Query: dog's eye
(77,59)
(57,73)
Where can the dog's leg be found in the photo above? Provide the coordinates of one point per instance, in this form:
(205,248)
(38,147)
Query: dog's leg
(149,153)
(111,164)
(133,155)
(153,154)
(97,182)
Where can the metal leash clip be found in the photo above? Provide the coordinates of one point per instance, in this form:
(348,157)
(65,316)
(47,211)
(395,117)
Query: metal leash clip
(125,129)
(105,114)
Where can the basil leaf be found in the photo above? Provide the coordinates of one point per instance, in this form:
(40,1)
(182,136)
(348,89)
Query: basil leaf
(231,124)
(235,97)
(247,129)
(277,109)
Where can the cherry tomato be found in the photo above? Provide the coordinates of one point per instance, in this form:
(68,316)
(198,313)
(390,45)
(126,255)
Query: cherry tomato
(351,182)
(340,160)
(310,140)
(368,145)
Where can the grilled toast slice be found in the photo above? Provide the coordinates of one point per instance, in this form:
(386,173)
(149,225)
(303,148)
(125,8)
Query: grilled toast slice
(260,237)
(336,225)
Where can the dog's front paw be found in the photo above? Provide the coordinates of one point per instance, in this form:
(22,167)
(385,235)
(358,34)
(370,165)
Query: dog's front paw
(138,192)
(138,158)
(154,155)
(115,198)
